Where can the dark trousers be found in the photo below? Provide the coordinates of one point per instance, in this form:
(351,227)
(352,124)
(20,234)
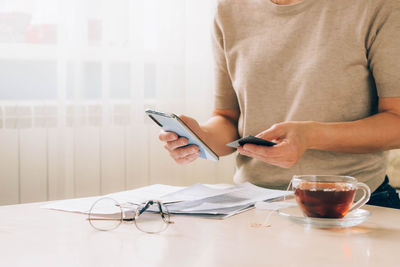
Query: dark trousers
(385,196)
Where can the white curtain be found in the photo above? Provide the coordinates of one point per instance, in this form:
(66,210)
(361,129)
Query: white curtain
(75,79)
(74,55)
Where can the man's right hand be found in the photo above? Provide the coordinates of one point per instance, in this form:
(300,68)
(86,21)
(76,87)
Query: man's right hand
(178,146)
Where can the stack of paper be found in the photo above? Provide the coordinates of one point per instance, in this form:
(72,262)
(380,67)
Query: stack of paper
(217,201)
(229,201)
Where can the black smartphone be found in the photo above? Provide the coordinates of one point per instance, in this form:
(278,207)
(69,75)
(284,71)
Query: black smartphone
(251,140)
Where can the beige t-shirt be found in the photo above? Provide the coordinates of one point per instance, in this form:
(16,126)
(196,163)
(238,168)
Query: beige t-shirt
(317,60)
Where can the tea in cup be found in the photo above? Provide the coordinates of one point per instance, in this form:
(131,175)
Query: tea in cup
(328,196)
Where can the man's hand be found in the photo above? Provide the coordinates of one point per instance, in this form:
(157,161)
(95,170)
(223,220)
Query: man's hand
(293,140)
(177,147)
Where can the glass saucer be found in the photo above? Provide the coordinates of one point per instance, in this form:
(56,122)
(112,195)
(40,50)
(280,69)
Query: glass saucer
(351,219)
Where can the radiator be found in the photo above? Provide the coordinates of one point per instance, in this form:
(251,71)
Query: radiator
(43,159)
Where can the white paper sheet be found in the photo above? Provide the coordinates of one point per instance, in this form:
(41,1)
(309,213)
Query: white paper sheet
(81,205)
(165,193)
(245,194)
(212,200)
(135,196)
(197,192)
(142,194)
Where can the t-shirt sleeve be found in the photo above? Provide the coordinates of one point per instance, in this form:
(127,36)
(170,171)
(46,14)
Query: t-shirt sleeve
(224,94)
(384,49)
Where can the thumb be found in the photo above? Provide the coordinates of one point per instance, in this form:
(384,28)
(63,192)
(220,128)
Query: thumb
(275,132)
(190,122)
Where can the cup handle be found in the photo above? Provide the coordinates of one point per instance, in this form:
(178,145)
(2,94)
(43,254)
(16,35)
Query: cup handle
(365,197)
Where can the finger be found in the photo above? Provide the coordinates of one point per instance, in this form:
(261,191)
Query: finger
(278,161)
(255,156)
(244,153)
(247,153)
(275,132)
(180,142)
(185,118)
(267,154)
(281,155)
(259,150)
(190,122)
(183,152)
(167,136)
(188,159)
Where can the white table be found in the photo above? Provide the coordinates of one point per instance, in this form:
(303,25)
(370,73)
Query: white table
(31,236)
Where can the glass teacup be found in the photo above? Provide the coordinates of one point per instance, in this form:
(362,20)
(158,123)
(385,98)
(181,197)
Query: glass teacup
(328,196)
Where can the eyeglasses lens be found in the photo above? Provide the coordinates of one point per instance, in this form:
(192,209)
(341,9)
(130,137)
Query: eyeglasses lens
(105,214)
(154,219)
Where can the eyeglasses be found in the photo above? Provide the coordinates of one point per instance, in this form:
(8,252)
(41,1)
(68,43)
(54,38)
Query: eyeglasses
(150,217)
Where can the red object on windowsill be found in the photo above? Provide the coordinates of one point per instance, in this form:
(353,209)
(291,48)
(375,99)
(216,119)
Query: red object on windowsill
(41,33)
